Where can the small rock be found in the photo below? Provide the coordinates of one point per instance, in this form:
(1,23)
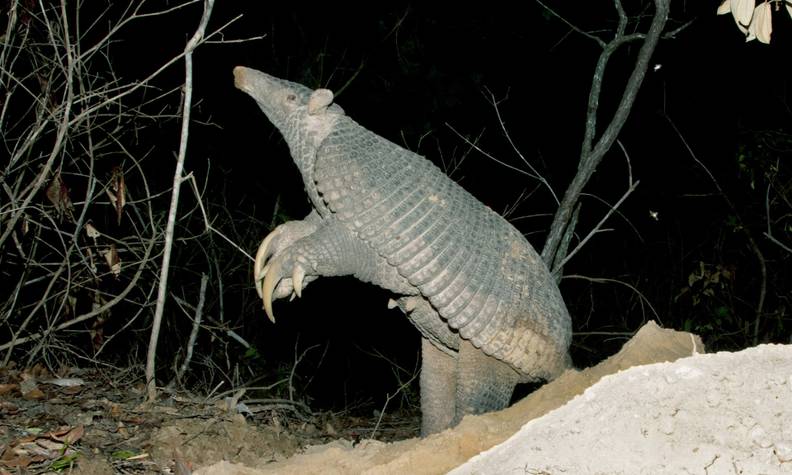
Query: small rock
(759,437)
(783,451)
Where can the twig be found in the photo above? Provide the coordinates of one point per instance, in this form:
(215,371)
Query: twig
(221,323)
(294,367)
(514,147)
(388,399)
(476,147)
(151,389)
(96,311)
(208,224)
(768,234)
(225,393)
(195,327)
(129,322)
(63,128)
(596,228)
(293,406)
(604,280)
(570,25)
(777,242)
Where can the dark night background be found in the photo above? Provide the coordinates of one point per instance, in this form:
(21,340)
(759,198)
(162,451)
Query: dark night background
(415,74)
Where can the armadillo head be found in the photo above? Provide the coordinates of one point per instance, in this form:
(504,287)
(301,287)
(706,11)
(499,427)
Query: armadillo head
(304,116)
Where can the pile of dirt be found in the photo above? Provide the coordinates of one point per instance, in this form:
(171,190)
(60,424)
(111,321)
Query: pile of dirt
(717,414)
(610,428)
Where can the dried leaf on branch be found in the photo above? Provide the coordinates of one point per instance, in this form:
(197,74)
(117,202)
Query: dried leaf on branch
(113,260)
(118,194)
(58,195)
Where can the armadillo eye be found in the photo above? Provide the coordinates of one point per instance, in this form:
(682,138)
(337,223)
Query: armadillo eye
(291,98)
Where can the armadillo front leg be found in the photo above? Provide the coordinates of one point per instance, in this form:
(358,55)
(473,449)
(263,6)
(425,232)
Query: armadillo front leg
(331,249)
(274,243)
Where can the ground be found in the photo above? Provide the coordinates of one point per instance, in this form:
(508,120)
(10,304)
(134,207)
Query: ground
(710,414)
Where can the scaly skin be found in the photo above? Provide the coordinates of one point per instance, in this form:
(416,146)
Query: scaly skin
(489,311)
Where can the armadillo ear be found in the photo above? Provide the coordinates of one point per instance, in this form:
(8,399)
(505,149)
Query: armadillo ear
(319,101)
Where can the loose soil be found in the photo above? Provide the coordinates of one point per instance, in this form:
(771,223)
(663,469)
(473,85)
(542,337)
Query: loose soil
(721,413)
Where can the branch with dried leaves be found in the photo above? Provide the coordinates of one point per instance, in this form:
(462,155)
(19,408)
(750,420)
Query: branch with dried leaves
(80,224)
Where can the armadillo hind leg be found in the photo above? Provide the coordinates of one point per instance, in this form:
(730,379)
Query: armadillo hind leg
(438,388)
(484,383)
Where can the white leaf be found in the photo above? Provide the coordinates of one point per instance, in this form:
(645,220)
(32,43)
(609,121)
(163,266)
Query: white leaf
(743,11)
(724,7)
(762,25)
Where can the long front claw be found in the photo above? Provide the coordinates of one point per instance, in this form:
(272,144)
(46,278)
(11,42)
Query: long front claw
(298,275)
(271,280)
(259,268)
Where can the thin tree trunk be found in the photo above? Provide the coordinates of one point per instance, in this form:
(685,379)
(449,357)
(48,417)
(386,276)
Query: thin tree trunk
(151,388)
(591,155)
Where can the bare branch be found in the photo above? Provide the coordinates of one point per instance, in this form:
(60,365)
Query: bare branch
(94,312)
(488,155)
(63,128)
(570,25)
(534,173)
(208,224)
(593,153)
(598,226)
(151,388)
(604,280)
(196,325)
(778,243)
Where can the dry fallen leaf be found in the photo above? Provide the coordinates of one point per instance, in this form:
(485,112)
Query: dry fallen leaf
(34,394)
(49,447)
(6,389)
(38,371)
(116,410)
(8,408)
(69,435)
(18,461)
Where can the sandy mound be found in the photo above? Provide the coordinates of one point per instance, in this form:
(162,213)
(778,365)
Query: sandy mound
(705,414)
(717,414)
